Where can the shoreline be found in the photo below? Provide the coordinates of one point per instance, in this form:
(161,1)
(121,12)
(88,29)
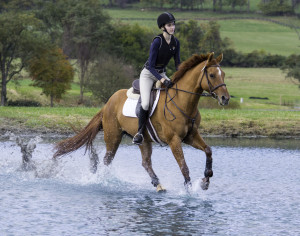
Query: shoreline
(22,130)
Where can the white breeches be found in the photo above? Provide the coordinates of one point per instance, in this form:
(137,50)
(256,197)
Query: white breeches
(147,79)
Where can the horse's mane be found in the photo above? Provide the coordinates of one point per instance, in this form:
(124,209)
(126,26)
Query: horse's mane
(187,65)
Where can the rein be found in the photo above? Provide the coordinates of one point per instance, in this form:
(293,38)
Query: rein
(210,94)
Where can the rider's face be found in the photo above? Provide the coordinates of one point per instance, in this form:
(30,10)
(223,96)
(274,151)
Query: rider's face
(170,27)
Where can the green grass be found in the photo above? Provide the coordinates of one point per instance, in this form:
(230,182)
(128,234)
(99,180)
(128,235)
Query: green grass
(256,117)
(247,35)
(250,35)
(241,82)
(47,118)
(218,122)
(263,82)
(250,122)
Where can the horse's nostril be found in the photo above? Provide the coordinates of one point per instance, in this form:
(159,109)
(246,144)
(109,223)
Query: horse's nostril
(225,100)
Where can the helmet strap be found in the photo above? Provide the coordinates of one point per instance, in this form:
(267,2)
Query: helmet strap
(165,30)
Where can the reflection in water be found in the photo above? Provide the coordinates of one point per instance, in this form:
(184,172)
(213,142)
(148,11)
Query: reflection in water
(254,142)
(156,215)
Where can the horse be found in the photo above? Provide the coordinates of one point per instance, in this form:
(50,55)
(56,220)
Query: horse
(176,118)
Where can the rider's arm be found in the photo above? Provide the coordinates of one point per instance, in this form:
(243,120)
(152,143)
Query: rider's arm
(177,55)
(153,56)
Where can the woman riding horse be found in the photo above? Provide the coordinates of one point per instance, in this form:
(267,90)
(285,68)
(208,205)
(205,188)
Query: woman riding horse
(176,118)
(163,48)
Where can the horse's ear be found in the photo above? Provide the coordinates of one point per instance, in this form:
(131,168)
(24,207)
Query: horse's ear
(219,58)
(210,56)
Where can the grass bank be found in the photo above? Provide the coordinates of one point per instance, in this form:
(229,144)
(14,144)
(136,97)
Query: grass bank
(242,83)
(277,115)
(233,123)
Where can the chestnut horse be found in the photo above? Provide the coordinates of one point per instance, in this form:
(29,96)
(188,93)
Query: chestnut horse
(176,118)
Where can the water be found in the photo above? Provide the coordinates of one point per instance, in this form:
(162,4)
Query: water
(254,191)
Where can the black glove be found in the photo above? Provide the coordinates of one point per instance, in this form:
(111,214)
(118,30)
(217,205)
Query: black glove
(168,83)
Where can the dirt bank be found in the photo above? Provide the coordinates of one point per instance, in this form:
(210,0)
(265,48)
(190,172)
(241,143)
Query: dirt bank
(226,129)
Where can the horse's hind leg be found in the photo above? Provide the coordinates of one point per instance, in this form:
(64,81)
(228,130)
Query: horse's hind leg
(196,141)
(112,136)
(112,140)
(146,150)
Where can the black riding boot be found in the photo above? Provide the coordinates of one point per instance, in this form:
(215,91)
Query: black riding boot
(138,138)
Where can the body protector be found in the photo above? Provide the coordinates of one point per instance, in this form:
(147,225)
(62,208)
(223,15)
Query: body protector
(160,54)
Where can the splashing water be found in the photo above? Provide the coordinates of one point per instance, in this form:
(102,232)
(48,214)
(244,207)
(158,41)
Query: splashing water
(254,191)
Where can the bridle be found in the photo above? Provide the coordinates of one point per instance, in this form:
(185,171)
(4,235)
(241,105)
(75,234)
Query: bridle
(210,86)
(210,94)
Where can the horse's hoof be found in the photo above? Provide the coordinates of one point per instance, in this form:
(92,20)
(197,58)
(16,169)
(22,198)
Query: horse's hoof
(160,189)
(188,187)
(205,183)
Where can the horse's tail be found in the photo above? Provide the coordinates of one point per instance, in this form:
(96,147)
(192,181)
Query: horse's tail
(84,137)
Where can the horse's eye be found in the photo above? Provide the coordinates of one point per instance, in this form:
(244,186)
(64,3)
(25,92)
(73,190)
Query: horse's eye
(211,75)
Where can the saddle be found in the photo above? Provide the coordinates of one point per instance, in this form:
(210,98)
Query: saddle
(133,104)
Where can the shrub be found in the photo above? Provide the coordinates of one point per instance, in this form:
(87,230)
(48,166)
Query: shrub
(108,75)
(252,59)
(276,7)
(24,103)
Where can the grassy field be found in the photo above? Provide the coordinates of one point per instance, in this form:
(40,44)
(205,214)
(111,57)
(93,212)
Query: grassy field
(214,122)
(246,34)
(241,83)
(263,82)
(256,116)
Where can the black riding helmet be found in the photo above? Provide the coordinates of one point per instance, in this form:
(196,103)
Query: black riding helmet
(165,18)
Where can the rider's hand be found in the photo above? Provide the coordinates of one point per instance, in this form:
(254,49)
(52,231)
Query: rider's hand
(168,83)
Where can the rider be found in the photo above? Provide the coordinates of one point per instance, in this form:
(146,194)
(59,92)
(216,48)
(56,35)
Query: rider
(163,48)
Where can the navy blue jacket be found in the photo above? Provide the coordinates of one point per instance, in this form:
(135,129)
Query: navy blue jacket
(160,54)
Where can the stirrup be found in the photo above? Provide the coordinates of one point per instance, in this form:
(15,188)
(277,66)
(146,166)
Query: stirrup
(138,139)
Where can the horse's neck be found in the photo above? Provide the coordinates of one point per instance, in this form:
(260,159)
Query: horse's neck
(189,82)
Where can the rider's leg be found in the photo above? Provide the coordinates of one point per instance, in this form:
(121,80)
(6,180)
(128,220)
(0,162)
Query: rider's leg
(146,83)
(143,115)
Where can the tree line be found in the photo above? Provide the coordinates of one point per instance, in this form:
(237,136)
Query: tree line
(268,7)
(55,39)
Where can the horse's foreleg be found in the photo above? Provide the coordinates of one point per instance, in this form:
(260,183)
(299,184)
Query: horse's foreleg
(196,141)
(175,145)
(146,150)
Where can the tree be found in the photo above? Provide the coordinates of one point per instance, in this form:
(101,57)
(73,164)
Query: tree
(51,71)
(192,34)
(81,28)
(212,41)
(132,43)
(109,74)
(18,40)
(292,67)
(86,28)
(214,5)
(234,3)
(275,7)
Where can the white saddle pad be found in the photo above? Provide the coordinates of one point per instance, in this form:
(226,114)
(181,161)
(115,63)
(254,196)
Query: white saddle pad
(130,106)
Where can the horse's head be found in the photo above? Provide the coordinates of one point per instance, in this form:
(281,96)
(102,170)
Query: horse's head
(212,79)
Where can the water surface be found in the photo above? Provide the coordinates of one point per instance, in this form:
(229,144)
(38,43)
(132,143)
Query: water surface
(254,191)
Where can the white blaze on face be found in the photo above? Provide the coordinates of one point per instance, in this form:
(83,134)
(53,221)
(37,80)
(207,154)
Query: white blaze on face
(219,71)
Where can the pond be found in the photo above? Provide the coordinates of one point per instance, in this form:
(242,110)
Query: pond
(254,191)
